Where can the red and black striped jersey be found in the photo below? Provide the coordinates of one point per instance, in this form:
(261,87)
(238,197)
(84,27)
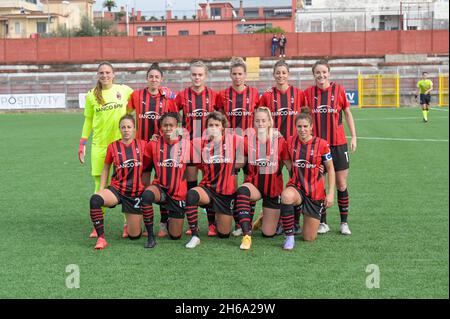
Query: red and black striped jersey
(128,163)
(149,109)
(169,159)
(218,161)
(238,106)
(326,108)
(264,160)
(306,158)
(284,107)
(195,107)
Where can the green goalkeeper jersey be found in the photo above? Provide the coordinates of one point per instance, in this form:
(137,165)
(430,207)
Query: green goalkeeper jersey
(105,118)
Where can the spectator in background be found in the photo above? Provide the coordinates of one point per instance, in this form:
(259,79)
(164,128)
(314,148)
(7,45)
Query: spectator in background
(282,44)
(274,44)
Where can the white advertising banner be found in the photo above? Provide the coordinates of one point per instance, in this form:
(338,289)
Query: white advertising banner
(81,100)
(32,101)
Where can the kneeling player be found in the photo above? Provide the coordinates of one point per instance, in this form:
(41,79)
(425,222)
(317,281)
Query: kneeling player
(220,154)
(169,155)
(266,149)
(307,185)
(127,156)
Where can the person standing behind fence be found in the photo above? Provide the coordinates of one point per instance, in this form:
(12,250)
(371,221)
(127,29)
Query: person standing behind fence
(105,105)
(274,45)
(424,88)
(282,44)
(329,104)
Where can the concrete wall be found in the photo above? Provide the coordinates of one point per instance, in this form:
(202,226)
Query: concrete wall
(334,44)
(79,78)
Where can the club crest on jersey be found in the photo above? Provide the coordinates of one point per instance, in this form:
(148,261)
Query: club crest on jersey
(119,96)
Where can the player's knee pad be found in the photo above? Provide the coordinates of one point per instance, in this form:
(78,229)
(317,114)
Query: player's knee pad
(148,197)
(268,236)
(134,237)
(243,190)
(174,237)
(192,198)
(96,201)
(220,235)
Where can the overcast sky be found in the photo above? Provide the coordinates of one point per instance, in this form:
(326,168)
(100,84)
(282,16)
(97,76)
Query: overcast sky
(159,5)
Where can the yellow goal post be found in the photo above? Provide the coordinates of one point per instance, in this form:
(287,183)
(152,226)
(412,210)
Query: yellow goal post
(379,90)
(443,89)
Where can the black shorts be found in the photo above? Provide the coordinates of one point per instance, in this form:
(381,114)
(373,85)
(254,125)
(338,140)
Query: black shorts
(130,205)
(310,207)
(219,203)
(272,202)
(425,99)
(175,207)
(340,157)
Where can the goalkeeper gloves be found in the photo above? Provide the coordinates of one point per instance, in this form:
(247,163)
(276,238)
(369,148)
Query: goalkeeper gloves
(82,149)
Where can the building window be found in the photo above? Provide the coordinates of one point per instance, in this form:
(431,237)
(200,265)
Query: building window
(17,28)
(209,32)
(316,26)
(216,13)
(183,32)
(41,27)
(151,31)
(308,2)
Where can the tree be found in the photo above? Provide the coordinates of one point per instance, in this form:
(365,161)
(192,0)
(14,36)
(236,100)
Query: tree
(276,30)
(109,4)
(86,28)
(104,27)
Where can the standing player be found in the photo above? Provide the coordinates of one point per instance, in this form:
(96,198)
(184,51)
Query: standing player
(169,155)
(238,102)
(424,88)
(127,157)
(105,105)
(307,185)
(219,155)
(196,102)
(150,103)
(265,151)
(285,102)
(328,103)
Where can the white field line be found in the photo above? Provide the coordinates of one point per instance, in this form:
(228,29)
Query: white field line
(400,139)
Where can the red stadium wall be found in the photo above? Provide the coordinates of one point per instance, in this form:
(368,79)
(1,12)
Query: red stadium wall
(334,44)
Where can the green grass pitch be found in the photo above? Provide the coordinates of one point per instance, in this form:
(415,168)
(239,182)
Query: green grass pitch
(398,187)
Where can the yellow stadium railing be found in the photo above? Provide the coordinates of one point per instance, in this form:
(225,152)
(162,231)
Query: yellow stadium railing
(379,90)
(443,89)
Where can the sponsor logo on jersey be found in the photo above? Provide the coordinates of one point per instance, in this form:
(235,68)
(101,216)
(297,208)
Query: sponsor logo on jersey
(263,162)
(304,164)
(324,109)
(284,112)
(217,159)
(130,163)
(239,112)
(150,115)
(108,107)
(170,163)
(198,113)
